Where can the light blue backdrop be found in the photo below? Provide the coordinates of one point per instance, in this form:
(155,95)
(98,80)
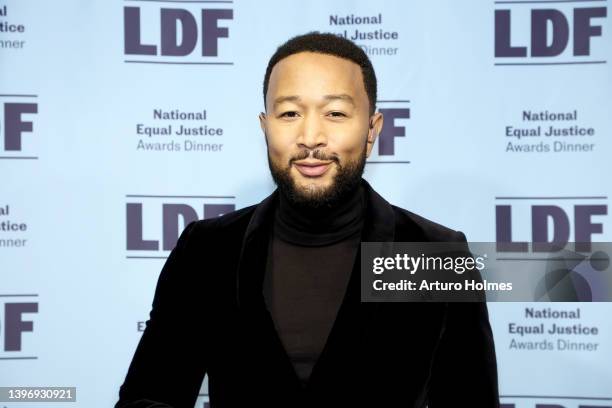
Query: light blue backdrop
(87,189)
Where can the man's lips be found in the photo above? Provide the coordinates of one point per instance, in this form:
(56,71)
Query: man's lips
(312,168)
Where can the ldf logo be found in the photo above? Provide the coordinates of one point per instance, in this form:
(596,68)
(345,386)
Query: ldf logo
(551,224)
(178,32)
(552,32)
(143,219)
(14,324)
(16,121)
(394,112)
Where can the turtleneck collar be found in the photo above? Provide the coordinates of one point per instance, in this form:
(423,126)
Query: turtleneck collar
(321,226)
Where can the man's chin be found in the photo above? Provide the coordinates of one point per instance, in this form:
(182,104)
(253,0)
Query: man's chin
(311,189)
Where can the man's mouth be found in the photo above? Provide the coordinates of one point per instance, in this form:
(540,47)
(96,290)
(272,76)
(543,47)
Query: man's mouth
(312,168)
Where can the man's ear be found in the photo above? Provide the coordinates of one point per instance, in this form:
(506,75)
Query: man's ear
(375,126)
(262,124)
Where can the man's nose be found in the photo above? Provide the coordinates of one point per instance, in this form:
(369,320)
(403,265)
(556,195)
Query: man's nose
(312,133)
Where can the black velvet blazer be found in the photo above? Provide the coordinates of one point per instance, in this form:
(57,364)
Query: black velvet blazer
(209,317)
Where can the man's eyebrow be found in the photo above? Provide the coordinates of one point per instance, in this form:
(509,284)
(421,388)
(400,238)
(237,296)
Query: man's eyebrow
(288,98)
(344,97)
(332,97)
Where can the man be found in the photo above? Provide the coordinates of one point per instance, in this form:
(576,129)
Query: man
(266,300)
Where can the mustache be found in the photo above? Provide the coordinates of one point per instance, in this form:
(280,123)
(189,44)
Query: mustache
(315,154)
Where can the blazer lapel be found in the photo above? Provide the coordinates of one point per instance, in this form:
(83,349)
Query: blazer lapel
(252,263)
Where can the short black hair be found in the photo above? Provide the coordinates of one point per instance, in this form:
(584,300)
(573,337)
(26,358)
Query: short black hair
(327,43)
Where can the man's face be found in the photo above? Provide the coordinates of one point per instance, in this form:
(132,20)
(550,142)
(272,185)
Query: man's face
(317,126)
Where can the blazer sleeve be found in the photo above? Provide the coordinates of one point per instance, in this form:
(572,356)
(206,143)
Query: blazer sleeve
(169,364)
(464,369)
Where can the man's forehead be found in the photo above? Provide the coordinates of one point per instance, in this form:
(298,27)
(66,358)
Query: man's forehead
(306,72)
(315,64)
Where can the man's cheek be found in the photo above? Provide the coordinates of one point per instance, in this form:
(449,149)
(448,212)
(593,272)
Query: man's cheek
(352,153)
(275,151)
(279,146)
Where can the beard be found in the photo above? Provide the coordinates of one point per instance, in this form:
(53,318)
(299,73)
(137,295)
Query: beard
(345,181)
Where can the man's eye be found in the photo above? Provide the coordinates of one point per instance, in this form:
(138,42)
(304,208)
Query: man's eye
(289,114)
(337,114)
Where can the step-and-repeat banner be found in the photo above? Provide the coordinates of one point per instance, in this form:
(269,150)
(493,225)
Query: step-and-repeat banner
(121,121)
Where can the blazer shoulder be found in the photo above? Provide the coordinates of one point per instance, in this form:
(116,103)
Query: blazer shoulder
(423,228)
(229,220)
(215,230)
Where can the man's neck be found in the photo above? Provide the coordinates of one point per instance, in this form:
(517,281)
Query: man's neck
(323,225)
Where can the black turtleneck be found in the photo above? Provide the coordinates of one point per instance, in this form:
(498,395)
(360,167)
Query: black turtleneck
(310,259)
